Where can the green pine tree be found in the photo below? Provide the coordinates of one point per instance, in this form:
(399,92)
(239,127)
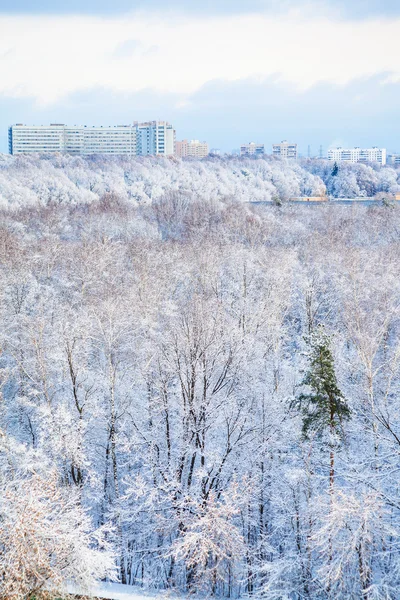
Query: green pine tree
(335,170)
(324,409)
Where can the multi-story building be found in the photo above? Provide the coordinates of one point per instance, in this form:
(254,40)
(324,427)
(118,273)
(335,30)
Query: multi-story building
(285,150)
(157,137)
(252,149)
(194,149)
(358,155)
(99,140)
(393,159)
(24,139)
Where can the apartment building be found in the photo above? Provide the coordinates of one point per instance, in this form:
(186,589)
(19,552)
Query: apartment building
(393,159)
(194,149)
(155,137)
(99,140)
(358,155)
(285,150)
(24,139)
(252,149)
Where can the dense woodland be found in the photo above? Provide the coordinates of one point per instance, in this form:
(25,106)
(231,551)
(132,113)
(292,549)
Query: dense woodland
(199,394)
(56,178)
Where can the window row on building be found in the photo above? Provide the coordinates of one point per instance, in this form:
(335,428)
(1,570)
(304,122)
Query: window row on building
(282,150)
(193,149)
(285,150)
(153,137)
(393,159)
(358,155)
(252,149)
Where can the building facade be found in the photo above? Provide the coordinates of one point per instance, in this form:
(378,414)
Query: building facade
(25,139)
(285,150)
(252,149)
(194,149)
(155,137)
(358,155)
(393,159)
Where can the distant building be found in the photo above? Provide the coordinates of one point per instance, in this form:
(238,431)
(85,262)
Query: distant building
(358,155)
(155,137)
(285,150)
(252,149)
(216,151)
(194,148)
(24,138)
(393,159)
(93,140)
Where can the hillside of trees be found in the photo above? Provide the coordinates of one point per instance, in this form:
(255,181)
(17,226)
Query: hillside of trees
(198,394)
(33,180)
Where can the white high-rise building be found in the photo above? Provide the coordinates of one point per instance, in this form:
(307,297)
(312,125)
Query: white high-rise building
(358,155)
(157,137)
(252,149)
(285,150)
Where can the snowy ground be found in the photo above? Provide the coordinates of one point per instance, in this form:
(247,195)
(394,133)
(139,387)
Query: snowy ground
(117,591)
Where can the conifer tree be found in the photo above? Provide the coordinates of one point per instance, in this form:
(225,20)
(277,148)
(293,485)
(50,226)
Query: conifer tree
(324,408)
(335,170)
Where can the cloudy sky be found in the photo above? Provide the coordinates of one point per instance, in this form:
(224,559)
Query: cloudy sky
(227,71)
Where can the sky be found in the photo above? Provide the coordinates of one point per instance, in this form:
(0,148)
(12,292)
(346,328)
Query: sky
(316,72)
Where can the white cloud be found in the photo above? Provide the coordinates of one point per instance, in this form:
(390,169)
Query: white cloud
(47,58)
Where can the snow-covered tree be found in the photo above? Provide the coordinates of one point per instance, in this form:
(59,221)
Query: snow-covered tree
(152,325)
(46,539)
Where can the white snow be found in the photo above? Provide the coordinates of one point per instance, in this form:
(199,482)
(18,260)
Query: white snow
(118,591)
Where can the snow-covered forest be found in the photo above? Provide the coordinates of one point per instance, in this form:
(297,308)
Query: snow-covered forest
(32,181)
(199,394)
